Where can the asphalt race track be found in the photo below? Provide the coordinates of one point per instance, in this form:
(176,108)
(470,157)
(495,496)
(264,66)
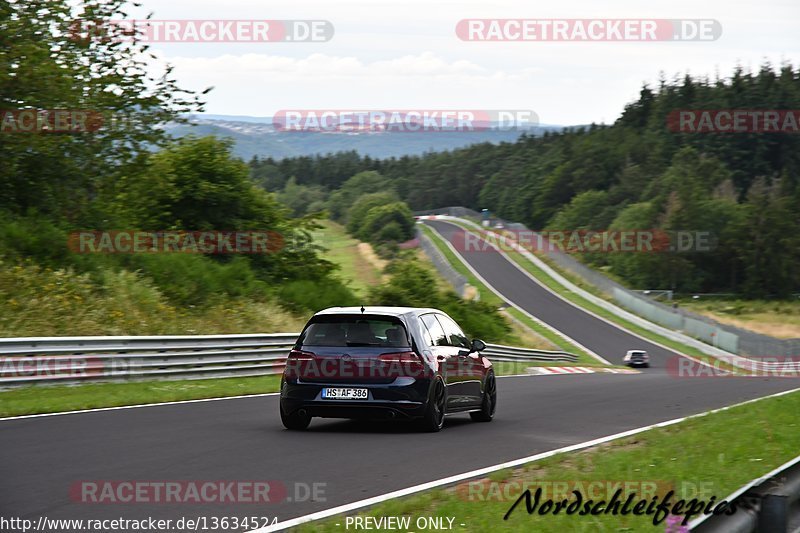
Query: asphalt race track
(243,439)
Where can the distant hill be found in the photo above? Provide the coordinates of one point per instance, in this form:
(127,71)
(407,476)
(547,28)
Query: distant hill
(256,136)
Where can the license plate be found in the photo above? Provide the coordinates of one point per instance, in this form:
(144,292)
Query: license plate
(344,394)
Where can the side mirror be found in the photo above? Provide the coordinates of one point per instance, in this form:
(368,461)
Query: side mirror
(478,345)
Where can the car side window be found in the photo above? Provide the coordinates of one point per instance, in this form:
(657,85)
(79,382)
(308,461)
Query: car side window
(436,334)
(454,334)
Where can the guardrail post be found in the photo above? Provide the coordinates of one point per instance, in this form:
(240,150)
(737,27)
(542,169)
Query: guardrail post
(774,514)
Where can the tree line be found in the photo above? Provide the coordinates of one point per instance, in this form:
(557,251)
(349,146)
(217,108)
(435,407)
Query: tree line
(637,173)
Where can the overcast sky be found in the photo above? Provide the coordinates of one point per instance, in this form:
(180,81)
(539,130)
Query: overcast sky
(404,54)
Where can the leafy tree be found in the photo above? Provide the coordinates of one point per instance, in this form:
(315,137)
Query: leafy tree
(377,219)
(196,184)
(768,245)
(47,63)
(363,182)
(358,212)
(585,211)
(410,284)
(301,199)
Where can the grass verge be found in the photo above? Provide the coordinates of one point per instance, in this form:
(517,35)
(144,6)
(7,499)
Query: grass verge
(485,294)
(685,457)
(56,398)
(778,318)
(355,269)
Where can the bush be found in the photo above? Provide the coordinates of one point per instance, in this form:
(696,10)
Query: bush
(42,302)
(478,319)
(359,184)
(378,218)
(358,212)
(197,280)
(315,295)
(32,237)
(413,285)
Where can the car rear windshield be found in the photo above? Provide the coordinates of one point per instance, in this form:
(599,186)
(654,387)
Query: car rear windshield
(355,330)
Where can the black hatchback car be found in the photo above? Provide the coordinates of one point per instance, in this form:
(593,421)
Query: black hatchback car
(384,363)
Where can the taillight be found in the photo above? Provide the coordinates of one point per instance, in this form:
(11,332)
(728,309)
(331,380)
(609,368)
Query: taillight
(300,355)
(295,362)
(402,364)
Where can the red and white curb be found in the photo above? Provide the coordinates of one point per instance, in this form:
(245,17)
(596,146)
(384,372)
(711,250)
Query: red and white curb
(549,370)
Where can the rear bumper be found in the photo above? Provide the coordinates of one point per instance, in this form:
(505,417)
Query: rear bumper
(403,398)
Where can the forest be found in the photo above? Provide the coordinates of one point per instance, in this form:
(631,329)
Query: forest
(637,173)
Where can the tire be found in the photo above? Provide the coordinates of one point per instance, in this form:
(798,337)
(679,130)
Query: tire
(295,421)
(489,405)
(433,420)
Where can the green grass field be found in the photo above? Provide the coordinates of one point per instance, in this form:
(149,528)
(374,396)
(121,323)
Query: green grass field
(56,398)
(355,269)
(779,319)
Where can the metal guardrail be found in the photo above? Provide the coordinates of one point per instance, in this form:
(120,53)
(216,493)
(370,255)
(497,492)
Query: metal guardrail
(768,504)
(499,352)
(67,360)
(78,359)
(442,265)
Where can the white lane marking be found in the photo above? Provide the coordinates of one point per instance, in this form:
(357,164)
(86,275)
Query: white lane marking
(510,301)
(119,407)
(481,471)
